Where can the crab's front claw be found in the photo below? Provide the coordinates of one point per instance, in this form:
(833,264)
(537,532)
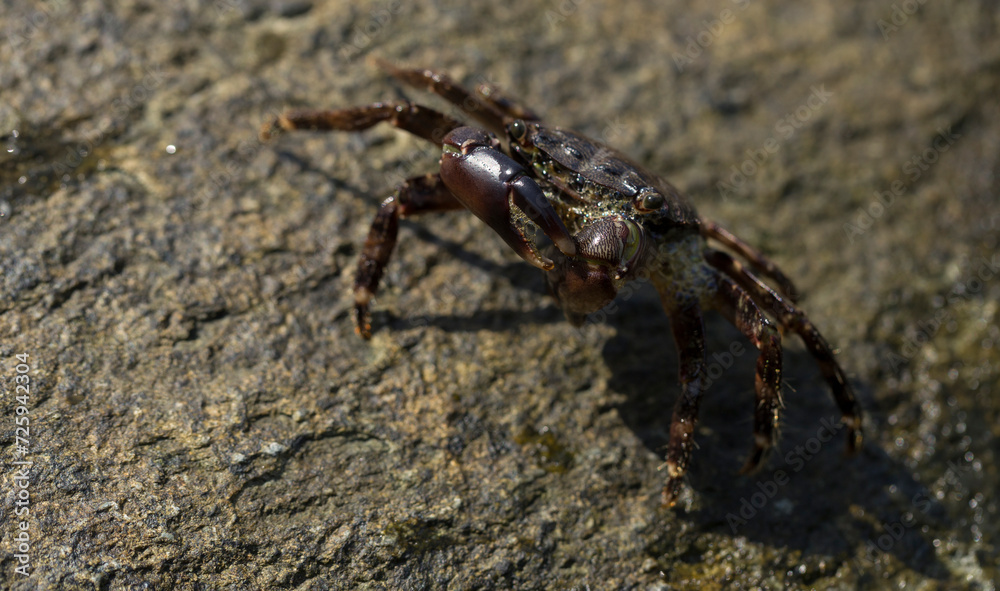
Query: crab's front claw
(490,184)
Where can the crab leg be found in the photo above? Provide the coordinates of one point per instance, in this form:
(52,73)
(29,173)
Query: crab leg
(736,304)
(487,105)
(484,179)
(753,256)
(420,121)
(794,319)
(689,334)
(423,194)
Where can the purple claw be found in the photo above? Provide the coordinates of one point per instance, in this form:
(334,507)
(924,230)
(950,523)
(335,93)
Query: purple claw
(489,183)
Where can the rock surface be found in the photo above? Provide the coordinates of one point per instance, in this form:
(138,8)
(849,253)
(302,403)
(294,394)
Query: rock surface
(202,416)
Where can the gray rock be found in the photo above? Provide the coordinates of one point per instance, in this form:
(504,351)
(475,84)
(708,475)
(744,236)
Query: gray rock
(202,416)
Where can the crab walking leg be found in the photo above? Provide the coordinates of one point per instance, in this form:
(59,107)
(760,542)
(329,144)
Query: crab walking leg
(487,105)
(753,256)
(507,106)
(795,320)
(422,122)
(424,194)
(689,334)
(737,305)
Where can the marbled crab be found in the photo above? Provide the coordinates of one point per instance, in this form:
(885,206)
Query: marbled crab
(610,221)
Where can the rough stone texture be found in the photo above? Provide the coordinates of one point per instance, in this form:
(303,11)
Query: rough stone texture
(202,416)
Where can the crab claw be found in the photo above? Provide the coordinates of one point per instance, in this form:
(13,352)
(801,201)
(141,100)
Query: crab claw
(489,183)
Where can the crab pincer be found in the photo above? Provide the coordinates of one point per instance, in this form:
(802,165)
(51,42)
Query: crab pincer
(490,183)
(627,224)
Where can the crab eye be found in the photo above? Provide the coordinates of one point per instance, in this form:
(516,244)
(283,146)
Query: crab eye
(518,129)
(649,201)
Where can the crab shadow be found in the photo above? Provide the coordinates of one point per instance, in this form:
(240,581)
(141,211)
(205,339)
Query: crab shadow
(809,496)
(521,276)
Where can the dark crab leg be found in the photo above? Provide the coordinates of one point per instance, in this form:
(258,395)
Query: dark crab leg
(509,107)
(482,178)
(757,260)
(794,319)
(420,121)
(689,334)
(423,194)
(487,105)
(736,304)
(414,196)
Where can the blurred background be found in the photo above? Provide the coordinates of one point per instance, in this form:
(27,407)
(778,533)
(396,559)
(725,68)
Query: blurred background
(202,415)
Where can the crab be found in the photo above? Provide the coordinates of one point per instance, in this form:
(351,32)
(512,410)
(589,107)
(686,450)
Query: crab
(610,221)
